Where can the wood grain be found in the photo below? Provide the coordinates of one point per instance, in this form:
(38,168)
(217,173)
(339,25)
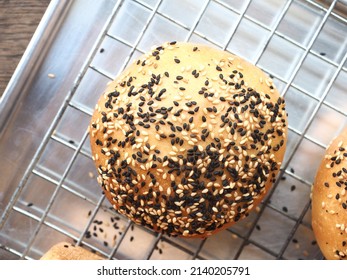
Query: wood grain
(18,22)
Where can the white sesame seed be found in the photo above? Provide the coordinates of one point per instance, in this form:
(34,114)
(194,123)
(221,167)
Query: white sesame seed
(179,191)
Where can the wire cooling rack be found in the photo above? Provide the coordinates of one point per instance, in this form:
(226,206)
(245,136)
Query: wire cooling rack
(302,45)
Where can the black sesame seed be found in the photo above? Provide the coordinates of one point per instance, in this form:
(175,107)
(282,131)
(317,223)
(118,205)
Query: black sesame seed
(177,60)
(162,92)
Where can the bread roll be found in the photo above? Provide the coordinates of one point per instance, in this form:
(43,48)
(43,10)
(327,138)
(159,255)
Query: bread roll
(67,251)
(329,200)
(188,139)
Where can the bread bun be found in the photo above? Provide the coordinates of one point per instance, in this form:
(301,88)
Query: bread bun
(67,251)
(329,200)
(188,139)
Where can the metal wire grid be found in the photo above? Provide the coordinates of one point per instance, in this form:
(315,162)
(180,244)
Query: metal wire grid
(244,236)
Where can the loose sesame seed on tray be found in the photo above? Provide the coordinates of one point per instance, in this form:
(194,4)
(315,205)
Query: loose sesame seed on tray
(182,141)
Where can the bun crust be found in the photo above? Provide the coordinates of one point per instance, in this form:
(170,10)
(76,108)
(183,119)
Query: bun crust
(188,139)
(329,200)
(67,251)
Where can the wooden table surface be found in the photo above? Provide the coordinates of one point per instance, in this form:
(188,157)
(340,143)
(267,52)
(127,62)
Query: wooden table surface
(18,22)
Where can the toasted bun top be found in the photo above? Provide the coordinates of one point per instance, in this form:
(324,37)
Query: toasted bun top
(188,139)
(67,251)
(329,200)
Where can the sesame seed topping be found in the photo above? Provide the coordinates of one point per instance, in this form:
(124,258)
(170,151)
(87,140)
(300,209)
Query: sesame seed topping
(183,157)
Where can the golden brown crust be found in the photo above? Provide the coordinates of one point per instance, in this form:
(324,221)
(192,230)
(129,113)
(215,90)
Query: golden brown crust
(67,251)
(329,200)
(188,139)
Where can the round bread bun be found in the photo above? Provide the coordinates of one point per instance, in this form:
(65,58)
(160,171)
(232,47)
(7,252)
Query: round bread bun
(188,139)
(67,251)
(329,200)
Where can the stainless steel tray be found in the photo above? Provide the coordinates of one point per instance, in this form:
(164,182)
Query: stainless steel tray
(48,189)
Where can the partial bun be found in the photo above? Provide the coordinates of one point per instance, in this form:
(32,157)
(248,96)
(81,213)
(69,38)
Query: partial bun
(329,200)
(188,139)
(67,251)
